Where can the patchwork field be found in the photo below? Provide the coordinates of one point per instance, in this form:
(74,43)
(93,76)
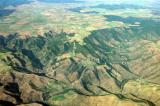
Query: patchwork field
(37,18)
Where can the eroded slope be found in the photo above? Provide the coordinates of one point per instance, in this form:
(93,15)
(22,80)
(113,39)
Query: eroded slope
(118,64)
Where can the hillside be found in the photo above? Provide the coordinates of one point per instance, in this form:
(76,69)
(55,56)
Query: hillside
(114,63)
(79,53)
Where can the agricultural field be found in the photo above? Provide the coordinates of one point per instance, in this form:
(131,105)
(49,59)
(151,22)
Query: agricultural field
(38,17)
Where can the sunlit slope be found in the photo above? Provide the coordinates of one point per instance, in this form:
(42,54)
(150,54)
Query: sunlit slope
(117,63)
(105,55)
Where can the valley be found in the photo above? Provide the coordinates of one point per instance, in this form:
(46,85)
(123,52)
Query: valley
(71,53)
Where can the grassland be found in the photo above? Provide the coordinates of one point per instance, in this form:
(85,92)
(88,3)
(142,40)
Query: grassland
(37,17)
